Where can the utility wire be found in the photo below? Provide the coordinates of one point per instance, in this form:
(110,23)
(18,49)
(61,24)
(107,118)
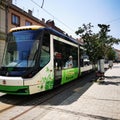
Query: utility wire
(114,20)
(42,4)
(51,14)
(42,8)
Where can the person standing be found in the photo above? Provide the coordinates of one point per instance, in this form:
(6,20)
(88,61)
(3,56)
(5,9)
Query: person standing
(69,63)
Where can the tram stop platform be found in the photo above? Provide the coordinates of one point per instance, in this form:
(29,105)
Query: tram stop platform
(100,102)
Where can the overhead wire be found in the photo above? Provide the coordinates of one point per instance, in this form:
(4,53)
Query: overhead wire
(114,20)
(51,14)
(42,4)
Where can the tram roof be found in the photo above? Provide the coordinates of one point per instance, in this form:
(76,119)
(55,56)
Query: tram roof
(49,29)
(54,32)
(32,27)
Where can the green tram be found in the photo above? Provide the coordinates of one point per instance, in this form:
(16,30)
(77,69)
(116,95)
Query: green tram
(37,59)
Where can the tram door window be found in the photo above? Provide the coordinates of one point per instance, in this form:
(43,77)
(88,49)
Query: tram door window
(72,51)
(45,50)
(62,53)
(58,62)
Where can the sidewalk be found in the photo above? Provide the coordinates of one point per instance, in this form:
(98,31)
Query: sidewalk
(99,102)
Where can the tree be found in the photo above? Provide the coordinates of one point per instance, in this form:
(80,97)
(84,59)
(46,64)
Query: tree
(106,41)
(103,39)
(90,41)
(111,54)
(97,45)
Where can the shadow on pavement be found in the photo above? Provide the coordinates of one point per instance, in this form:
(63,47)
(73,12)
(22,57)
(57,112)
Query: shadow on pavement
(109,83)
(112,77)
(111,80)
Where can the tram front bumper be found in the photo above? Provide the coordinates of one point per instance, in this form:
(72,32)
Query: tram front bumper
(16,90)
(13,85)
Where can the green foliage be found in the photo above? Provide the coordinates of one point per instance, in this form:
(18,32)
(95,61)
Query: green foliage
(111,54)
(97,45)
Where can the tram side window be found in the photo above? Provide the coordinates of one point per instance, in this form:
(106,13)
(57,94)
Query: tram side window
(71,54)
(62,53)
(45,51)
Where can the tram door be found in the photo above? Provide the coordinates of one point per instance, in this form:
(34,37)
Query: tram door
(57,68)
(58,57)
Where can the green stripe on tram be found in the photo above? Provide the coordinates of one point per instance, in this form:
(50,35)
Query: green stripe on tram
(22,90)
(69,74)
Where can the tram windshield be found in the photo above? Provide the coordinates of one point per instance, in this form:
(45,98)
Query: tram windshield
(20,52)
(21,49)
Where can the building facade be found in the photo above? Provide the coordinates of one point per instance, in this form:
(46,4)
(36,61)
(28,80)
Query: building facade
(18,17)
(2,27)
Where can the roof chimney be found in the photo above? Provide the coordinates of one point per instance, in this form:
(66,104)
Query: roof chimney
(50,23)
(30,12)
(43,20)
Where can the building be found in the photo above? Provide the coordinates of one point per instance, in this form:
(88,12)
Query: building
(2,27)
(18,17)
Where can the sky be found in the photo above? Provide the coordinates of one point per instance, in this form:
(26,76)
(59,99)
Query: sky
(71,14)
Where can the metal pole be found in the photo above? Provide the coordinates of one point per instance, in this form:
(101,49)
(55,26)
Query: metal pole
(42,4)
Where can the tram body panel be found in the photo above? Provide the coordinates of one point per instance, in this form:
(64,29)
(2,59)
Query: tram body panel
(86,68)
(42,81)
(69,74)
(11,81)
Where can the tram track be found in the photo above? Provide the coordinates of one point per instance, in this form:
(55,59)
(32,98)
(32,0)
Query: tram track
(10,101)
(44,97)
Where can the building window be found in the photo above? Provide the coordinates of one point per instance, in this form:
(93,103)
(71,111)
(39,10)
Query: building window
(15,20)
(27,23)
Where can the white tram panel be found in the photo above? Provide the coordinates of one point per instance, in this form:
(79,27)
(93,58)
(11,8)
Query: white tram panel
(11,81)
